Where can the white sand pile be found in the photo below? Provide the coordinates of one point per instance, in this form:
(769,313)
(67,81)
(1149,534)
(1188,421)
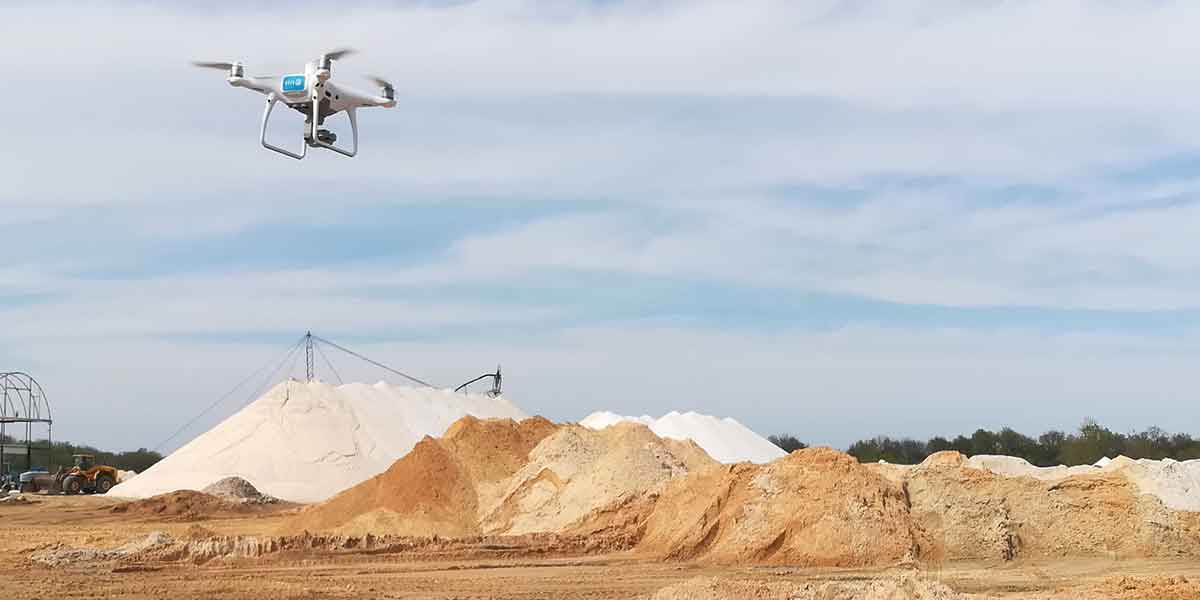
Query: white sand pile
(1175,483)
(725,440)
(305,442)
(123,475)
(1012,466)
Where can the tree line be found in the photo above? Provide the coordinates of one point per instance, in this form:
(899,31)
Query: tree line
(1088,444)
(60,454)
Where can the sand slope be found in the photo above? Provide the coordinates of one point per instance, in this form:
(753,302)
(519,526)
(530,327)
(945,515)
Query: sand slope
(815,507)
(499,476)
(305,442)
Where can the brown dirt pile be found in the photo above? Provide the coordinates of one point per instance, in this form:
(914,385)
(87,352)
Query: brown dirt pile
(973,513)
(504,477)
(183,505)
(432,490)
(899,587)
(815,507)
(578,470)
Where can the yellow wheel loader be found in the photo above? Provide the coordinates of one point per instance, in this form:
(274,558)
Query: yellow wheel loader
(85,477)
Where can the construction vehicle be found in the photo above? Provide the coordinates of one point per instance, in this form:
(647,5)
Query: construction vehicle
(85,477)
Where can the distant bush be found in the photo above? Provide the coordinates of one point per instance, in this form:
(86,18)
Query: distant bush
(789,443)
(1091,443)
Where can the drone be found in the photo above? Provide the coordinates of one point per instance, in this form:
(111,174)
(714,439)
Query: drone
(313,94)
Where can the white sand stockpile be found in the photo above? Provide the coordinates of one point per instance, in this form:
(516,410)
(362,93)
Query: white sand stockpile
(1175,483)
(305,442)
(725,440)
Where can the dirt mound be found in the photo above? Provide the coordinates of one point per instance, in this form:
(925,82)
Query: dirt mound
(973,513)
(184,505)
(815,507)
(504,477)
(578,470)
(432,490)
(899,587)
(238,490)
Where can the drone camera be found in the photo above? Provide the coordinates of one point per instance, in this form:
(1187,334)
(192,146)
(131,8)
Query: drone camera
(237,70)
(326,136)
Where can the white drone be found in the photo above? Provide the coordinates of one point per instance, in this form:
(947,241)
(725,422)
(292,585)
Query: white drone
(313,95)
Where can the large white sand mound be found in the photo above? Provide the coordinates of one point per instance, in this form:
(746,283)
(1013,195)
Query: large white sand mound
(305,442)
(725,440)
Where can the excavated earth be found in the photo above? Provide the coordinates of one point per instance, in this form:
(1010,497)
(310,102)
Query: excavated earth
(532,509)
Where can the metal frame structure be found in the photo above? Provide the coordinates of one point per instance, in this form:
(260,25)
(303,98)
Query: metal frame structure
(496,378)
(23,404)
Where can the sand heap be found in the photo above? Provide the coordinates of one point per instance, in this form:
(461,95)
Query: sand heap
(726,440)
(236,489)
(1176,484)
(972,512)
(304,442)
(499,476)
(578,470)
(433,490)
(815,507)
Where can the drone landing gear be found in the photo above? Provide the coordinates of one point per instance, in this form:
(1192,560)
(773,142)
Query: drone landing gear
(324,138)
(314,134)
(271,101)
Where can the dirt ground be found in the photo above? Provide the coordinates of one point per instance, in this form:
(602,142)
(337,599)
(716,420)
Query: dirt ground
(526,568)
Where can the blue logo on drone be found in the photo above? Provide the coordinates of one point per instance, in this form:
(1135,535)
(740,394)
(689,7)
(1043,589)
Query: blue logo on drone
(293,83)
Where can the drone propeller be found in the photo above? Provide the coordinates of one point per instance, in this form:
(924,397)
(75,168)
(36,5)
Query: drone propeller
(338,53)
(389,91)
(236,69)
(224,66)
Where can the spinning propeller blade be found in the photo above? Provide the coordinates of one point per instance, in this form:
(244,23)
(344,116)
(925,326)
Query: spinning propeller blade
(338,53)
(389,91)
(381,82)
(224,66)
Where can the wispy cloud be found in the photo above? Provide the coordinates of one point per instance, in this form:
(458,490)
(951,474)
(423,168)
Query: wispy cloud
(887,189)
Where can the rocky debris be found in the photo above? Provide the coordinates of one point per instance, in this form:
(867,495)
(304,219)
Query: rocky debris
(236,489)
(60,555)
(907,586)
(159,547)
(17,499)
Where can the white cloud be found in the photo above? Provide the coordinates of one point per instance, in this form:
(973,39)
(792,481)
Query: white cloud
(847,148)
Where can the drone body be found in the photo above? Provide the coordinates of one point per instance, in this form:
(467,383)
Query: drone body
(314,94)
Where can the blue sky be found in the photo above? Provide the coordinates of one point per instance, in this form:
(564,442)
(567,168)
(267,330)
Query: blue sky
(836,219)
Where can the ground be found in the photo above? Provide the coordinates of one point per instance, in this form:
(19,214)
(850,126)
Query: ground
(469,570)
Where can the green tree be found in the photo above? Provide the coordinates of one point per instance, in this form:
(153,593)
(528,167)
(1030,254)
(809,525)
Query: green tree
(787,443)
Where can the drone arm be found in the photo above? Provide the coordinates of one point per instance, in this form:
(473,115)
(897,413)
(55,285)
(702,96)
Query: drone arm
(271,100)
(249,84)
